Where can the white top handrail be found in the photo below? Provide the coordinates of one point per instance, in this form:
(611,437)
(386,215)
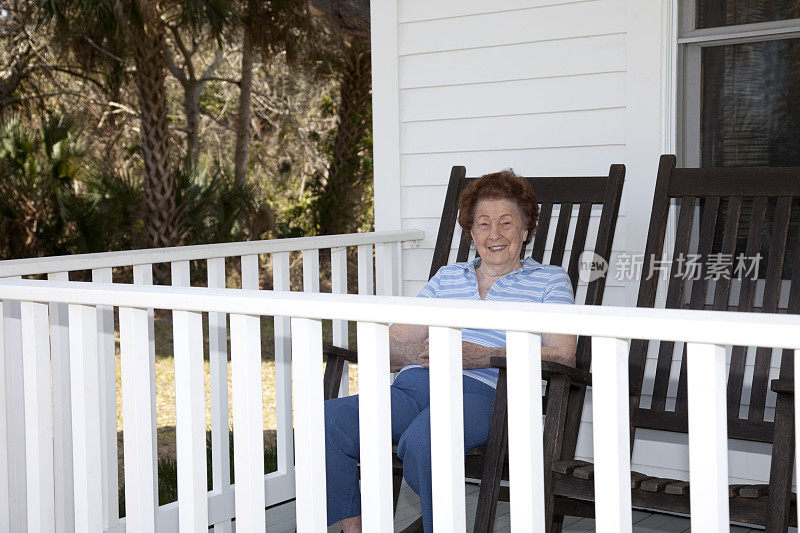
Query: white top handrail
(63,263)
(711,327)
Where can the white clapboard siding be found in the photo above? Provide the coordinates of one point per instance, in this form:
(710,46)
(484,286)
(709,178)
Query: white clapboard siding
(538,95)
(537,86)
(434,169)
(601,17)
(544,59)
(416,10)
(580,128)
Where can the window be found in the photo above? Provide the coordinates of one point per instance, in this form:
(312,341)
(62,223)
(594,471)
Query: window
(740,92)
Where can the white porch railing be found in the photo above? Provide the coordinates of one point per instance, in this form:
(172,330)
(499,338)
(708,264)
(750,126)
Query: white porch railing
(37,470)
(704,331)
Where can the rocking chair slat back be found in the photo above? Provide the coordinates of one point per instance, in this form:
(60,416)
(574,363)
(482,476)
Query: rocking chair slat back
(726,220)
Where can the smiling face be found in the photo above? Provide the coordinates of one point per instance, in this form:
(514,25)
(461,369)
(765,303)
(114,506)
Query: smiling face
(498,231)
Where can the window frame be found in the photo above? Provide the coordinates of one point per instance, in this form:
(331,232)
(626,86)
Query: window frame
(690,43)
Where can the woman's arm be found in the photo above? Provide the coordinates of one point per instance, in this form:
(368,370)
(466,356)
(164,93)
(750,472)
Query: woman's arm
(405,344)
(556,348)
(559,348)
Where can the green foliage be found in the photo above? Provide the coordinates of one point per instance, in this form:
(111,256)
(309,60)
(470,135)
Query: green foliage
(113,214)
(54,200)
(298,217)
(75,185)
(214,208)
(40,170)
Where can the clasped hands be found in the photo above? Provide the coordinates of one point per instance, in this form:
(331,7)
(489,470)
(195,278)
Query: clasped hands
(418,353)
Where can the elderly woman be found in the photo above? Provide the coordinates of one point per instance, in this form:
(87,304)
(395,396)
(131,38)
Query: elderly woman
(499,211)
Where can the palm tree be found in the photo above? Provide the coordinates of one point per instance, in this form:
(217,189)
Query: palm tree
(347,186)
(114,32)
(148,37)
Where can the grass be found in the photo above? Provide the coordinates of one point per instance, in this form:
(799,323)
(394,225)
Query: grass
(168,473)
(165,401)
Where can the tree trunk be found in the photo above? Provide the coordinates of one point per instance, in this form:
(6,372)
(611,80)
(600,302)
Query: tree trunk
(10,83)
(159,182)
(242,153)
(191,107)
(343,193)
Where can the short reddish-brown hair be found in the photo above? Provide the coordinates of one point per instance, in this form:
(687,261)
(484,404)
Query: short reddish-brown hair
(503,185)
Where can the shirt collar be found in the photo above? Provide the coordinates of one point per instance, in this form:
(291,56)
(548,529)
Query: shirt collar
(529,264)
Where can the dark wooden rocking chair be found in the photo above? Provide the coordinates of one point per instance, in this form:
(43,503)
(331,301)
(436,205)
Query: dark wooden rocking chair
(734,210)
(566,385)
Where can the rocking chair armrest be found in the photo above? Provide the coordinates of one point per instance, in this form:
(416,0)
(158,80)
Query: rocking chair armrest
(782,386)
(549,369)
(329,350)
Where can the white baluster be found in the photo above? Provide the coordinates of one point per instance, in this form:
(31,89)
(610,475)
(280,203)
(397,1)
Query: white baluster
(86,426)
(365,276)
(5,512)
(309,425)
(797,421)
(339,286)
(190,411)
(283,368)
(384,269)
(250,272)
(374,414)
(108,404)
(15,416)
(612,466)
(218,362)
(138,420)
(397,259)
(38,417)
(248,423)
(311,271)
(447,429)
(524,360)
(708,437)
(143,275)
(62,412)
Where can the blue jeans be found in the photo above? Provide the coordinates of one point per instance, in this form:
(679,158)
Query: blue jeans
(411,431)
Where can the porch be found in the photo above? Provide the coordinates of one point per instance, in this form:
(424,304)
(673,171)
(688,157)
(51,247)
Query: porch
(58,340)
(281,518)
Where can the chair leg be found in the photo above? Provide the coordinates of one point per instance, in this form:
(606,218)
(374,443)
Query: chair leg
(780,479)
(494,460)
(555,414)
(416,527)
(557,523)
(397,481)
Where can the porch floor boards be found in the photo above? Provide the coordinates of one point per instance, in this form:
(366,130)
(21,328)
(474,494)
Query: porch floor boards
(280,519)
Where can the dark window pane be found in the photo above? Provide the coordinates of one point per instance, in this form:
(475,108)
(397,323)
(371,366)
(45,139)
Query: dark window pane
(751,117)
(751,104)
(715,13)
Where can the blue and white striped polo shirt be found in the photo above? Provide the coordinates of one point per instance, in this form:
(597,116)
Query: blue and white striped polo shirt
(534,282)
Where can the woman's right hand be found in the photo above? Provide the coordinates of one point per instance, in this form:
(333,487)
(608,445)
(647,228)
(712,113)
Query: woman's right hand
(423,354)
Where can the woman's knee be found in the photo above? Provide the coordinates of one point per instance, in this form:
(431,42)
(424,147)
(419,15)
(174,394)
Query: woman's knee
(415,442)
(341,421)
(346,408)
